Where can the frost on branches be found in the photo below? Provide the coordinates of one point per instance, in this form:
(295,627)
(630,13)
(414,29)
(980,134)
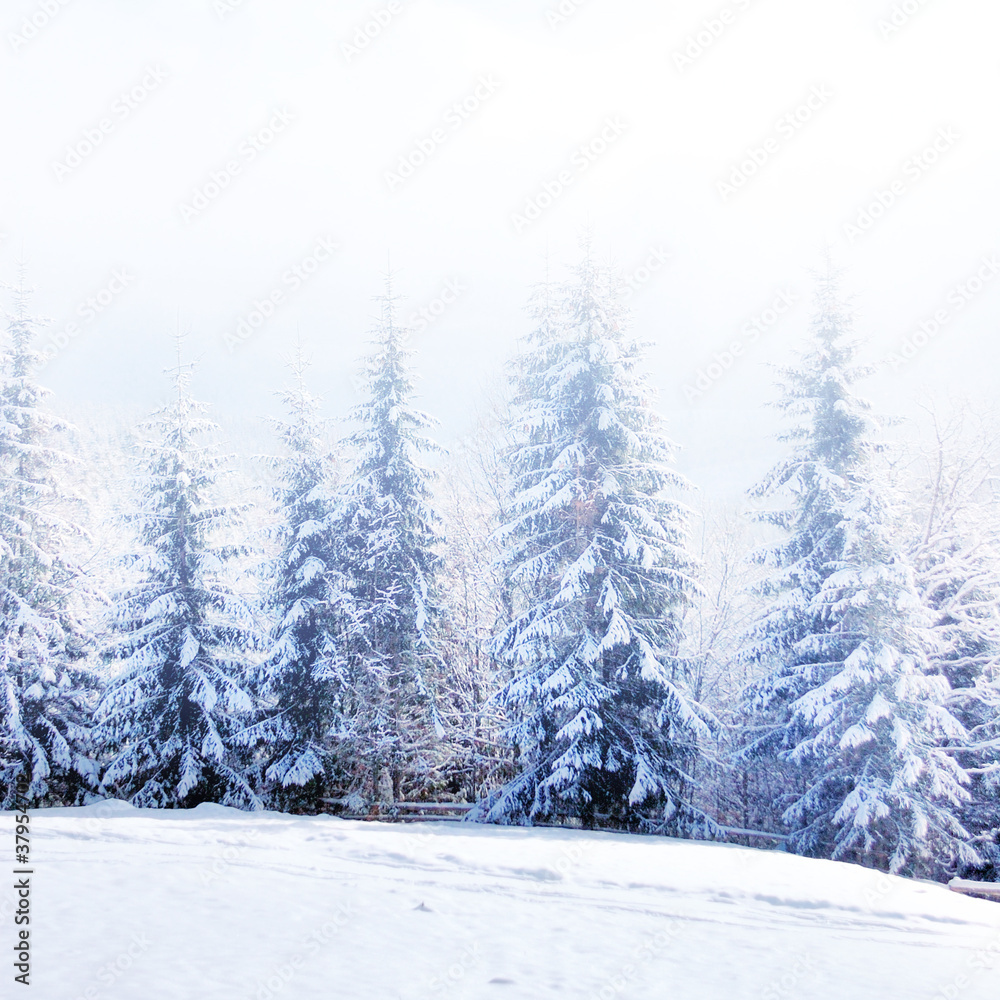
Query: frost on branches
(299,681)
(45,691)
(952,539)
(387,537)
(849,698)
(596,553)
(179,633)
(476,601)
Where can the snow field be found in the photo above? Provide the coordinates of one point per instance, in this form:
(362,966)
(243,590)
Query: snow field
(216,903)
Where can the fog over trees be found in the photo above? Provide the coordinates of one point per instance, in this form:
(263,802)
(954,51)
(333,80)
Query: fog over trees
(548,623)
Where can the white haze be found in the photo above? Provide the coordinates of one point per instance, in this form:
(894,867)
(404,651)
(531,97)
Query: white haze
(221,75)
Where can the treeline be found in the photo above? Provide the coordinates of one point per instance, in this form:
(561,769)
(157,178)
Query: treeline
(540,624)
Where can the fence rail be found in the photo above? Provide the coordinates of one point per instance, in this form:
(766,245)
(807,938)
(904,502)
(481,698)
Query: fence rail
(763,834)
(445,812)
(408,812)
(991,890)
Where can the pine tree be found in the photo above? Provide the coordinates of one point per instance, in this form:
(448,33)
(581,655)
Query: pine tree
(849,699)
(170,717)
(45,689)
(301,678)
(388,538)
(596,555)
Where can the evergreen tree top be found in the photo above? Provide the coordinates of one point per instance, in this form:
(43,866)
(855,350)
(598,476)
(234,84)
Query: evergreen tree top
(584,406)
(22,422)
(389,439)
(834,431)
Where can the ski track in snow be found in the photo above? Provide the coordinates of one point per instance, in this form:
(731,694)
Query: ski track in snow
(216,903)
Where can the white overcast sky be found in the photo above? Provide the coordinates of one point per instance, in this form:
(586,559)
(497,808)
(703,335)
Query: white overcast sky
(224,75)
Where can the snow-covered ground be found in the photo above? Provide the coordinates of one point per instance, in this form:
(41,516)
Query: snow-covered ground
(212,902)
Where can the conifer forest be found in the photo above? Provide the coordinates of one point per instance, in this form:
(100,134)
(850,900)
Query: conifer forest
(545,624)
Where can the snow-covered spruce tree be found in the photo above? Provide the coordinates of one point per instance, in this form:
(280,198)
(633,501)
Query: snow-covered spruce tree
(595,549)
(45,690)
(848,698)
(387,541)
(299,681)
(179,634)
